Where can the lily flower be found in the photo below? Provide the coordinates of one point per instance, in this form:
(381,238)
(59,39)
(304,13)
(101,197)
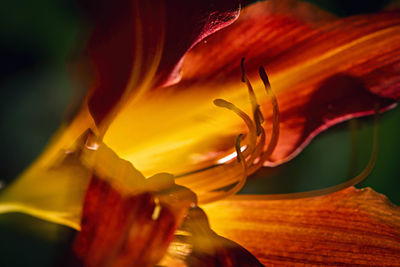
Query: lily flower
(161,76)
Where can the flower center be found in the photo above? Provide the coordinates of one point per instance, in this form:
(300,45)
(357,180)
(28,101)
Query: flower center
(228,176)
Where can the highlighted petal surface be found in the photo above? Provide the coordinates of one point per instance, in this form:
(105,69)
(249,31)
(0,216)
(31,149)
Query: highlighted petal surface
(323,71)
(350,227)
(136,46)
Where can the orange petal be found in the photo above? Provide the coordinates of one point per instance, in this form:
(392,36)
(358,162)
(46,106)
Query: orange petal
(350,227)
(319,67)
(139,44)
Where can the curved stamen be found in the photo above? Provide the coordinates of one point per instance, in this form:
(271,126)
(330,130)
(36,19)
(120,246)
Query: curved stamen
(215,196)
(319,192)
(249,123)
(219,176)
(257,114)
(210,183)
(275,116)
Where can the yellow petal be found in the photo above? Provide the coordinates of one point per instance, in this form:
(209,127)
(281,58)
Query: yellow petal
(178,129)
(53,187)
(54,194)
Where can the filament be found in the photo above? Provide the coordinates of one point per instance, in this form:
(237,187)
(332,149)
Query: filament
(275,116)
(210,183)
(215,196)
(319,192)
(252,130)
(257,114)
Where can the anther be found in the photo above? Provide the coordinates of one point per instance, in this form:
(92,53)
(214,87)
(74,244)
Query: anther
(275,116)
(215,179)
(257,115)
(242,68)
(264,76)
(238,148)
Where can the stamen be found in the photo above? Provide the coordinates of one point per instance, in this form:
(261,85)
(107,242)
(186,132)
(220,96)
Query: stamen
(264,76)
(275,116)
(242,68)
(241,160)
(230,156)
(252,130)
(238,148)
(258,155)
(215,196)
(210,183)
(319,192)
(257,115)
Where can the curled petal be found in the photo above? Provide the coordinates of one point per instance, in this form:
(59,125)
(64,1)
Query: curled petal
(138,45)
(323,71)
(350,227)
(315,62)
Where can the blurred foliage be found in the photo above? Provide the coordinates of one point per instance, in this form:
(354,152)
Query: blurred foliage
(37,38)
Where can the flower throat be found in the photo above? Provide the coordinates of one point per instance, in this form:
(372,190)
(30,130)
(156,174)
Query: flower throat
(228,176)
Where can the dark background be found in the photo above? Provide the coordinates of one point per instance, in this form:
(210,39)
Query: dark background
(38,39)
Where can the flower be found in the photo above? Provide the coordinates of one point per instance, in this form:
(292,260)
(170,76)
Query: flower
(139,110)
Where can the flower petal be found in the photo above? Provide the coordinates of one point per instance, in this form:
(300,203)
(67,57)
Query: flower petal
(132,42)
(323,71)
(195,244)
(53,193)
(138,44)
(350,227)
(126,230)
(54,186)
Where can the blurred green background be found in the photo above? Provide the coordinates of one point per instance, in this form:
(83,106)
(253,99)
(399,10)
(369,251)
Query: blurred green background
(37,38)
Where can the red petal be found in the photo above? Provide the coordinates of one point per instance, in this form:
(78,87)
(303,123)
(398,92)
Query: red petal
(351,227)
(319,69)
(122,230)
(323,70)
(127,41)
